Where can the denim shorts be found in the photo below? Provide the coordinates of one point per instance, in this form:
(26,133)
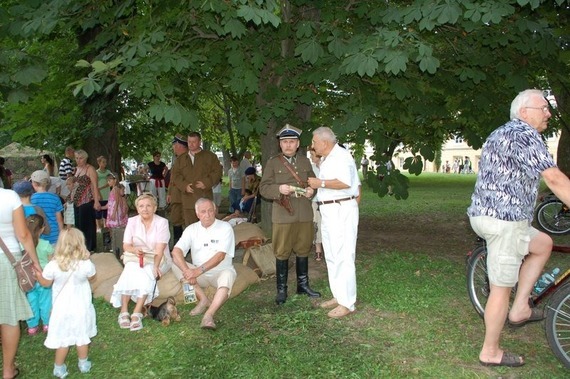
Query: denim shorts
(507,245)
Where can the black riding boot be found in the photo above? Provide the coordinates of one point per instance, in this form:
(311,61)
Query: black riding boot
(177,232)
(303,278)
(282,268)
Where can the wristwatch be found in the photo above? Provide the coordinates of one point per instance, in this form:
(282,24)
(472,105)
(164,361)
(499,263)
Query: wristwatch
(203,269)
(322,184)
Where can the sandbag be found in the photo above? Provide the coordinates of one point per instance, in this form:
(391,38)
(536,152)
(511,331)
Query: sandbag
(262,260)
(246,231)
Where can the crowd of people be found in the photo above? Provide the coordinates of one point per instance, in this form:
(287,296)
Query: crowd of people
(315,204)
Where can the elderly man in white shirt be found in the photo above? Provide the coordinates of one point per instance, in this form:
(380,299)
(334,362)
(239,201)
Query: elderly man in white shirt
(337,197)
(212,245)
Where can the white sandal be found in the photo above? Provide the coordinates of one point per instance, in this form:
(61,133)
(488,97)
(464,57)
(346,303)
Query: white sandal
(124,320)
(136,324)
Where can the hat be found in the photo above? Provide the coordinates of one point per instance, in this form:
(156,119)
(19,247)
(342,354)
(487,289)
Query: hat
(179,139)
(250,171)
(40,176)
(289,132)
(23,188)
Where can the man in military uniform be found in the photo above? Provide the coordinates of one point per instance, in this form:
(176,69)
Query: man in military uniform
(174,197)
(195,173)
(284,181)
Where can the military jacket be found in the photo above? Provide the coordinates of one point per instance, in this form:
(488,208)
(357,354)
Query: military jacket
(274,174)
(206,168)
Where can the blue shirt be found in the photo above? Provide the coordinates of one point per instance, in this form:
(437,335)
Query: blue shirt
(51,204)
(513,158)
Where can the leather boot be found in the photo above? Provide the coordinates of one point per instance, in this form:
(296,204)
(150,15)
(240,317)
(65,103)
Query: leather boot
(177,232)
(282,271)
(302,265)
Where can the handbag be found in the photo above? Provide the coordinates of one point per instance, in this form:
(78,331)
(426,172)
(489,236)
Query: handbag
(130,257)
(147,258)
(24,268)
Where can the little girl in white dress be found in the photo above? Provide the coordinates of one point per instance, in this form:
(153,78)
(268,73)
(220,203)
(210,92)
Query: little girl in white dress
(72,319)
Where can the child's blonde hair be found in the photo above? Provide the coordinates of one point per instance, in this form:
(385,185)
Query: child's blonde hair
(70,248)
(36,225)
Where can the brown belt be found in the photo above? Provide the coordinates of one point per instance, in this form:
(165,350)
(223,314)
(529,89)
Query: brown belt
(335,201)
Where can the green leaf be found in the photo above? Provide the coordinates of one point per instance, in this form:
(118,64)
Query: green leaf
(414,165)
(172,114)
(396,63)
(88,88)
(337,47)
(248,14)
(82,63)
(29,75)
(305,29)
(429,64)
(450,12)
(235,27)
(156,111)
(18,96)
(99,66)
(368,66)
(309,50)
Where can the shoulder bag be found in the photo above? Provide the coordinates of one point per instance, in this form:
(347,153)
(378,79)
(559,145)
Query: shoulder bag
(24,268)
(284,200)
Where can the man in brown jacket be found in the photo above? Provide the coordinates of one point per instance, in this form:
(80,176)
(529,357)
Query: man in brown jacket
(284,181)
(194,174)
(174,196)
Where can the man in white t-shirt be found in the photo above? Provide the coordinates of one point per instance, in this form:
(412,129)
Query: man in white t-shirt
(212,245)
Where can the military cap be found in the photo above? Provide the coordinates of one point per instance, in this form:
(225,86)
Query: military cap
(181,140)
(289,132)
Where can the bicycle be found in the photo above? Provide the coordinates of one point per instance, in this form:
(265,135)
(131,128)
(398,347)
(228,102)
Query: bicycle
(557,310)
(552,215)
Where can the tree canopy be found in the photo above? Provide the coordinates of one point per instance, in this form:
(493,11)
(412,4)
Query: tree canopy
(132,73)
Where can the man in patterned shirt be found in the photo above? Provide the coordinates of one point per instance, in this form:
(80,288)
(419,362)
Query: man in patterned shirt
(514,158)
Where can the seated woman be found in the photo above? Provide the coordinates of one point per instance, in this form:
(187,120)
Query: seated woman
(146,257)
(243,207)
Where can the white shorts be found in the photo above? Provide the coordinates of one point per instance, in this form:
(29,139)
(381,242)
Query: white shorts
(507,245)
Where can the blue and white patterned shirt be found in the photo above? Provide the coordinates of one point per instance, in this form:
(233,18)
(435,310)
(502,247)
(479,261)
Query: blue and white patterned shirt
(513,158)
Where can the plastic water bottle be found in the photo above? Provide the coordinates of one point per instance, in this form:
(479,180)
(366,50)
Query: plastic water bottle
(545,281)
(189,293)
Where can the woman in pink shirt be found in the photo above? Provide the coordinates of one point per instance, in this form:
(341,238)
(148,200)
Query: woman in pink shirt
(146,257)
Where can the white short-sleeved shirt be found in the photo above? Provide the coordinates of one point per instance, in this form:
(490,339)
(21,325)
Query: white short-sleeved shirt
(9,201)
(340,165)
(204,243)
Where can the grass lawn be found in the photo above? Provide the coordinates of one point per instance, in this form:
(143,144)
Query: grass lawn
(414,318)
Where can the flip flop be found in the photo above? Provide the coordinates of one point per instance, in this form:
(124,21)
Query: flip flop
(507,360)
(535,315)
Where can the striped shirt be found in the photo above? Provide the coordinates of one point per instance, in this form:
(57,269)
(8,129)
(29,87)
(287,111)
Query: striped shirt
(65,168)
(51,205)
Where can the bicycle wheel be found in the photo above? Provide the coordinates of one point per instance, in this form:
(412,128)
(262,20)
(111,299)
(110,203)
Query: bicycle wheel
(552,217)
(558,324)
(477,280)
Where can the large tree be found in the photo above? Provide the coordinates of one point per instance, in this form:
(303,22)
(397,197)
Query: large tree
(407,72)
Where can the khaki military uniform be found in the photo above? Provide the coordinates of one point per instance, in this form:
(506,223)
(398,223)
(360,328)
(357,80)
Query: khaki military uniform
(206,168)
(291,233)
(176,214)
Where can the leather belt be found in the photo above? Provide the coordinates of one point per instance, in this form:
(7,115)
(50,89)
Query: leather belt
(335,201)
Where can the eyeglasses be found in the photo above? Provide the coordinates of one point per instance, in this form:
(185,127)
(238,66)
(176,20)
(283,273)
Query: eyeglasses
(545,109)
